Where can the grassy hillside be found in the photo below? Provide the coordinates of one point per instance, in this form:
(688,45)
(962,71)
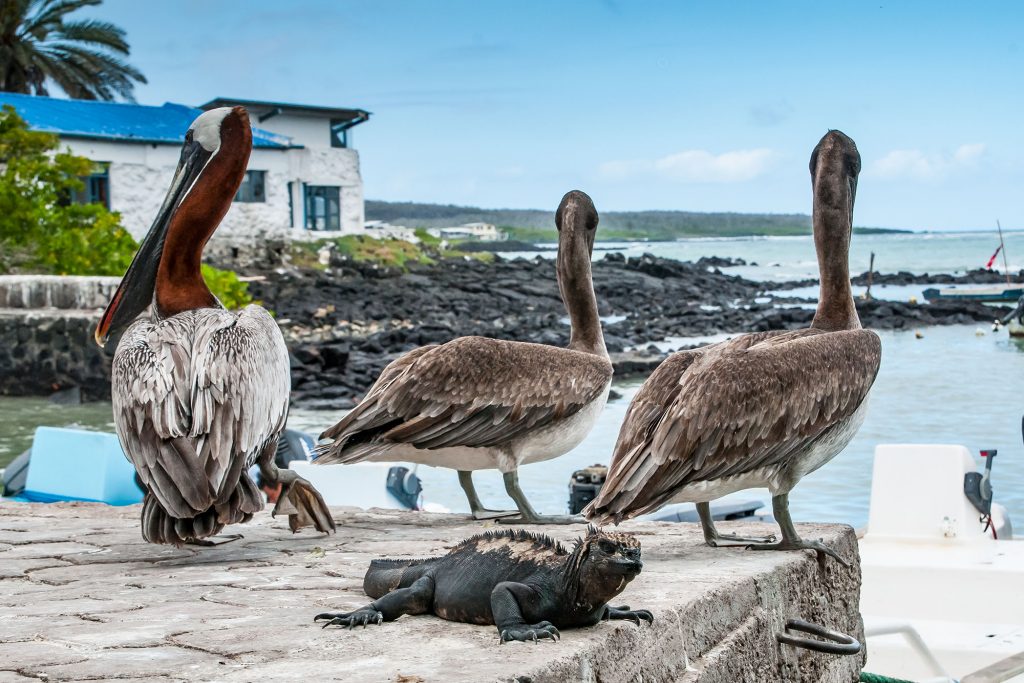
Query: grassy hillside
(536,225)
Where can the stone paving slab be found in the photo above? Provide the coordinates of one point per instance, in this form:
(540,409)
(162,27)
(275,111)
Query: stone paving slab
(82,597)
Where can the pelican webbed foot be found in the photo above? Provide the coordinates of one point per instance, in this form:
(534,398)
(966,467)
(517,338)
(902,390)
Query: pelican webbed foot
(488,515)
(733,541)
(801,544)
(216,540)
(790,538)
(527,515)
(302,503)
(535,518)
(479,512)
(717,540)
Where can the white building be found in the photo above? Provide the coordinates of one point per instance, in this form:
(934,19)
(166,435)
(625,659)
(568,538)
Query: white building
(303,178)
(471,231)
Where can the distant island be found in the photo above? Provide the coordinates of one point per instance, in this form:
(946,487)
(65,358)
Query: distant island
(535,225)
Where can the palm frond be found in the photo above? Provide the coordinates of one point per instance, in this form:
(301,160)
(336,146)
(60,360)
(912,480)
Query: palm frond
(96,32)
(104,66)
(50,13)
(12,17)
(38,43)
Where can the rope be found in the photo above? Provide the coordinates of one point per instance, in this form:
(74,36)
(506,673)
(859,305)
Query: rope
(865,677)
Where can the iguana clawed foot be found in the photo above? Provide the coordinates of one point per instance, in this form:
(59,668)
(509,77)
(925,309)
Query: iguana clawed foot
(624,612)
(525,632)
(361,617)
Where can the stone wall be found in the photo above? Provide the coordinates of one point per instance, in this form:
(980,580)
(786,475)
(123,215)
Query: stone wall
(43,351)
(74,292)
(46,335)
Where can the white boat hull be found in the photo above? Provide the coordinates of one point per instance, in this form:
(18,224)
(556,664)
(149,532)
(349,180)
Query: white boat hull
(929,568)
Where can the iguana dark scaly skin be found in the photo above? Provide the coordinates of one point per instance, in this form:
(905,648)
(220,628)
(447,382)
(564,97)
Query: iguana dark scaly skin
(526,584)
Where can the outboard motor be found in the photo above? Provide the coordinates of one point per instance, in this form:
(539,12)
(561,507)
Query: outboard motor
(584,486)
(293,445)
(1014,316)
(978,489)
(404,485)
(1017,313)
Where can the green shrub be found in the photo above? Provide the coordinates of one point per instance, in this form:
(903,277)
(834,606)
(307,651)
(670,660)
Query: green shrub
(226,286)
(40,230)
(426,239)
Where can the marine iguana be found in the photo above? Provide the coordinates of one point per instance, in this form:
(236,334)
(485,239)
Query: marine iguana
(526,584)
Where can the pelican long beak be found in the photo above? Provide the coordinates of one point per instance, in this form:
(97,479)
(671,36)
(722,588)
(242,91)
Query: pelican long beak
(138,284)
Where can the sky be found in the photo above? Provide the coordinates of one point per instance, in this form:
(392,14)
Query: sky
(696,106)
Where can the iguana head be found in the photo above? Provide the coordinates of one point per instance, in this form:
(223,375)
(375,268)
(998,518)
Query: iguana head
(605,561)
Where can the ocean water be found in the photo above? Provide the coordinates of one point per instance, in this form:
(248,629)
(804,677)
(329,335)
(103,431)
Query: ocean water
(793,258)
(953,385)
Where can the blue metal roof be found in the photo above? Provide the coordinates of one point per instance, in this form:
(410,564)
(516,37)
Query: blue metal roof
(118,121)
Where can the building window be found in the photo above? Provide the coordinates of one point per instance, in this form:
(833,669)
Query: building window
(96,186)
(339,133)
(253,187)
(323,207)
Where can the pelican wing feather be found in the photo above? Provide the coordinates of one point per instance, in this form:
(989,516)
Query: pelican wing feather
(472,392)
(732,408)
(197,398)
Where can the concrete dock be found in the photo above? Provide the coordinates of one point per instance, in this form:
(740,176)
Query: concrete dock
(83,597)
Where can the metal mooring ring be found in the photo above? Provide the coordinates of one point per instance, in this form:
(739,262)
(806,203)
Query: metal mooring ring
(834,643)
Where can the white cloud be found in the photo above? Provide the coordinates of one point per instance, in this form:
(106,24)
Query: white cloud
(915,164)
(695,166)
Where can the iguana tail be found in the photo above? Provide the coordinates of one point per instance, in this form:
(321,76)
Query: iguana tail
(384,576)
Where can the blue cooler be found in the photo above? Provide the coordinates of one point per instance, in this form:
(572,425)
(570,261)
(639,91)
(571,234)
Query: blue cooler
(73,464)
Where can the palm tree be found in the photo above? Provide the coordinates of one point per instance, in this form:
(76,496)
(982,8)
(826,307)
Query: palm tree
(84,57)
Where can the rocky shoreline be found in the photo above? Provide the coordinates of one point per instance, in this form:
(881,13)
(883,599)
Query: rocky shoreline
(344,324)
(346,321)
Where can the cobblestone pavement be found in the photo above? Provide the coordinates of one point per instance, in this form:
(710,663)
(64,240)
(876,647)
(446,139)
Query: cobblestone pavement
(83,597)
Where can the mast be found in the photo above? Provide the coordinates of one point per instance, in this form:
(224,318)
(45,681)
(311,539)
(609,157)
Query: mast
(1006,265)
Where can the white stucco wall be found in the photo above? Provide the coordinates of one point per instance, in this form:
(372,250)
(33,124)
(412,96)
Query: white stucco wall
(140,175)
(336,166)
(305,130)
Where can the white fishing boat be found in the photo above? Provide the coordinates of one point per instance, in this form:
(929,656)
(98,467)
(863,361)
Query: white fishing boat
(986,294)
(943,581)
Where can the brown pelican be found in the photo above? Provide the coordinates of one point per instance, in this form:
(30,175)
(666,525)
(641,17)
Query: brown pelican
(477,403)
(200,393)
(761,409)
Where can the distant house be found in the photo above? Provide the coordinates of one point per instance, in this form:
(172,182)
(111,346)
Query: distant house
(484,232)
(382,230)
(303,174)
